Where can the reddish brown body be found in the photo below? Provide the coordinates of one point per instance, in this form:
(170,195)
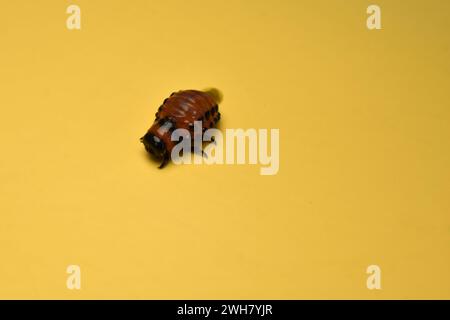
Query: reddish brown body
(181,110)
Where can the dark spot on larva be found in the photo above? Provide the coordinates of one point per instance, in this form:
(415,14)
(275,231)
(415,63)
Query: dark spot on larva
(218,116)
(172,93)
(161,121)
(207,114)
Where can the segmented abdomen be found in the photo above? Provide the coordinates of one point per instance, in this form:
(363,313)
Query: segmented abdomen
(185,107)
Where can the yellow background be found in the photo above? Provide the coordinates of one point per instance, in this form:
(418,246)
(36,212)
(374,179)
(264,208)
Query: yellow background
(364,150)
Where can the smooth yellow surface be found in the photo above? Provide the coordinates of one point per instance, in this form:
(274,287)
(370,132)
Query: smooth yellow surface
(364,148)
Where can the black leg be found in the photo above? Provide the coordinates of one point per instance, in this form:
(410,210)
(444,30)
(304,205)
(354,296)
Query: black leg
(164,162)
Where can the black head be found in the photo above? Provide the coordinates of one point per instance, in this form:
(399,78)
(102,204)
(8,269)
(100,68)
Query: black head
(154,145)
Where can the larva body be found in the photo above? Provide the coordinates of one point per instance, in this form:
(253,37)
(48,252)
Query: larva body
(181,110)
